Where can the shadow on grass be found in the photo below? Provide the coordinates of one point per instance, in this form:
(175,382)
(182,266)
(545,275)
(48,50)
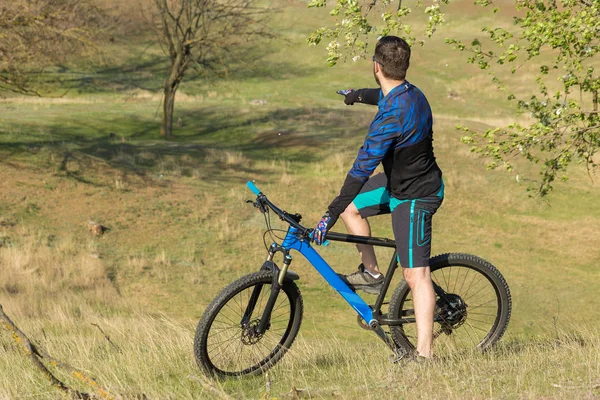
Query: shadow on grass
(148,72)
(213,143)
(572,339)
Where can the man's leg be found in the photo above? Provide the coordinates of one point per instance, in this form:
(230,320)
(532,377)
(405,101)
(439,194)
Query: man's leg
(411,220)
(373,199)
(356,225)
(419,281)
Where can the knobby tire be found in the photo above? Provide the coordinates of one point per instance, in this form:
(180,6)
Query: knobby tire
(235,297)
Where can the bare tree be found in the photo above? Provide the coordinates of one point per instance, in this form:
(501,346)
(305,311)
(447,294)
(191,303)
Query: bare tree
(194,32)
(37,34)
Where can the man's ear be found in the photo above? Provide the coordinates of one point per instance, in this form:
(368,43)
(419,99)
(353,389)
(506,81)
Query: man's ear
(378,68)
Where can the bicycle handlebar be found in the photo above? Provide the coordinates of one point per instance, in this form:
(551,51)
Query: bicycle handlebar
(253,188)
(283,215)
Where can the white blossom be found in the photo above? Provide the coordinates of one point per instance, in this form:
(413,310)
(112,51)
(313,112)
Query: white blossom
(333,45)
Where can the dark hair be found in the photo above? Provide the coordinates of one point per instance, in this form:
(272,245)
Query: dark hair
(393,56)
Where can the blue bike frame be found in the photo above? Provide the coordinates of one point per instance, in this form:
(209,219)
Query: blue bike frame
(293,242)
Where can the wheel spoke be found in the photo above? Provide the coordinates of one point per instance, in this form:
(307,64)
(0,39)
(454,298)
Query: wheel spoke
(475,313)
(221,331)
(228,340)
(474,294)
(455,281)
(229,319)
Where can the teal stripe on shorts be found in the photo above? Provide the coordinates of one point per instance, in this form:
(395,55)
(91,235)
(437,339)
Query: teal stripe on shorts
(410,238)
(372,198)
(440,194)
(394,202)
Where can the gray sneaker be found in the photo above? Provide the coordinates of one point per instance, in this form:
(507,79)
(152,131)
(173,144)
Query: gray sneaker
(363,280)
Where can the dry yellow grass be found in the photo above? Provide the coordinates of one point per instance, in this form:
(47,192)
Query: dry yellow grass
(43,274)
(151,355)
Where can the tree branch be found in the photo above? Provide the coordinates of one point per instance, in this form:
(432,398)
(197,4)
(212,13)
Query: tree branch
(29,351)
(35,354)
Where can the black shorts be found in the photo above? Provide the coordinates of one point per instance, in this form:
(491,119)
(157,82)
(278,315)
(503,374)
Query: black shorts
(411,219)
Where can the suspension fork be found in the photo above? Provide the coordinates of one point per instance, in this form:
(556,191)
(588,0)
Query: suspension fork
(256,292)
(276,286)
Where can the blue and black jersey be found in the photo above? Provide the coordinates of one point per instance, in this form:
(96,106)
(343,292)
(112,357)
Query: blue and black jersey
(401,138)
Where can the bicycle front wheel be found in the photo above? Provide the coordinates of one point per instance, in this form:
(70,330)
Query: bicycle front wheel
(226,341)
(472,313)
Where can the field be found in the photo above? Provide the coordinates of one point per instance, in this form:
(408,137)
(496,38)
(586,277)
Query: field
(179,228)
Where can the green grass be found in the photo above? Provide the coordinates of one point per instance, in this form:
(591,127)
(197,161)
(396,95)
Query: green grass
(180,229)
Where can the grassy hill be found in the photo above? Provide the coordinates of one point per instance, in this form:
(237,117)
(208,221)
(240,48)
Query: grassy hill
(180,229)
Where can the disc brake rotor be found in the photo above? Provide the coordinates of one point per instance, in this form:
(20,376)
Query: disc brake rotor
(249,334)
(453,312)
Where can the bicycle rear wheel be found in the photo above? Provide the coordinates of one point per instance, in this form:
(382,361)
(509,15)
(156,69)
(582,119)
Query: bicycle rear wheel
(473,313)
(226,342)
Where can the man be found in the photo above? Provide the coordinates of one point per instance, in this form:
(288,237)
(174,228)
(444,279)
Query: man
(411,188)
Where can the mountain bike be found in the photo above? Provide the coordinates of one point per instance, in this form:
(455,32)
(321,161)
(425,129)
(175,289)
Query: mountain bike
(251,323)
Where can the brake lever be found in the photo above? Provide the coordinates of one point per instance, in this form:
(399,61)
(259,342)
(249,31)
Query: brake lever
(259,205)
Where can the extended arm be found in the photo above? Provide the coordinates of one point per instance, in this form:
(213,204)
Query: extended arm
(365,96)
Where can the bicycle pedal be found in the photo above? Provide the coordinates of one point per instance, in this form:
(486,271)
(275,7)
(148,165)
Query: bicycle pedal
(399,355)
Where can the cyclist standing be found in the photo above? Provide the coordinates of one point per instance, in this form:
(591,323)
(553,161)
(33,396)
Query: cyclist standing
(411,187)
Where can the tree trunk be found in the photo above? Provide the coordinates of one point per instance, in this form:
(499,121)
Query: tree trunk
(178,68)
(166,128)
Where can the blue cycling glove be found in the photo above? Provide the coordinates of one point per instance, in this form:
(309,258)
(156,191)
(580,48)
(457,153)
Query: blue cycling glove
(324,225)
